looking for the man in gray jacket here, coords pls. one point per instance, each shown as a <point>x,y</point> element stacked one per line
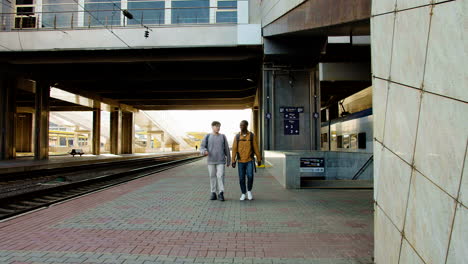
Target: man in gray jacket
<point>216,147</point>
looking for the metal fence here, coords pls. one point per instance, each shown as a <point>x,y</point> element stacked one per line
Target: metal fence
<point>94,16</point>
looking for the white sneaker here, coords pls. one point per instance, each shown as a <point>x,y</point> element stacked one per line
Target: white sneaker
<point>242,197</point>
<point>249,195</point>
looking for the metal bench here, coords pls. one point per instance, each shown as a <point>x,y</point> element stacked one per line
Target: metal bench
<point>76,152</point>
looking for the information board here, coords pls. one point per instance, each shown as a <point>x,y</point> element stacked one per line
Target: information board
<point>312,165</point>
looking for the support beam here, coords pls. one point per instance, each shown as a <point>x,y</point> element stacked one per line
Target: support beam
<point>128,132</point>
<point>96,145</point>
<point>7,117</point>
<point>41,120</point>
<point>115,131</point>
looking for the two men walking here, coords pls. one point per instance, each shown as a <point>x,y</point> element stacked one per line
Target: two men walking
<point>215,146</point>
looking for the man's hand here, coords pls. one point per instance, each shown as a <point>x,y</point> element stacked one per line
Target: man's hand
<point>206,153</point>
<point>259,163</point>
<point>233,165</point>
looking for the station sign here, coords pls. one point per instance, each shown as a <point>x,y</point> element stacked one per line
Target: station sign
<point>291,127</point>
<point>291,109</point>
<point>291,115</point>
<point>312,165</point>
<point>291,119</point>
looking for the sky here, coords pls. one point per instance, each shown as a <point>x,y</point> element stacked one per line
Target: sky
<point>200,120</point>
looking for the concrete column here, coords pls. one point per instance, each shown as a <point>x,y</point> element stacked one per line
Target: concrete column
<point>24,129</point>
<point>213,11</point>
<point>267,112</point>
<point>7,116</point>
<point>291,88</point>
<point>81,14</point>
<point>75,138</point>
<point>167,12</point>
<point>163,144</point>
<point>148,142</point>
<point>128,132</point>
<point>96,133</point>
<point>242,12</point>
<point>41,121</point>
<point>115,131</point>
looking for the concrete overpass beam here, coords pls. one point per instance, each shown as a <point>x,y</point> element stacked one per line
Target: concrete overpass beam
<point>7,116</point>
<point>41,120</point>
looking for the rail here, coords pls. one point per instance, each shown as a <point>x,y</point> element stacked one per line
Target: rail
<point>25,202</point>
<point>115,15</point>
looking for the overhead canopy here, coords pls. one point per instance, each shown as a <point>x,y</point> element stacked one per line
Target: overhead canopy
<point>156,79</point>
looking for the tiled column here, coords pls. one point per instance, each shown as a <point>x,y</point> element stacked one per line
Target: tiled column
<point>420,106</point>
<point>7,116</point>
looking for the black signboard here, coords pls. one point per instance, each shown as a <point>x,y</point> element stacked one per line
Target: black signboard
<point>291,109</point>
<point>312,165</point>
<point>291,127</point>
<point>291,115</point>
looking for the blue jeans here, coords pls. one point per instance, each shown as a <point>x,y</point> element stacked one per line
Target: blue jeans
<point>246,168</point>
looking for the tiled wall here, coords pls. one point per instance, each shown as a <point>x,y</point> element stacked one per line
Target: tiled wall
<point>420,62</point>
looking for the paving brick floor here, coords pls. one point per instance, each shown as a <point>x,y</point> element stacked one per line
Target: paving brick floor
<point>168,218</point>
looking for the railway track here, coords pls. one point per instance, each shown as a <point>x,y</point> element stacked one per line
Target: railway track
<point>24,202</point>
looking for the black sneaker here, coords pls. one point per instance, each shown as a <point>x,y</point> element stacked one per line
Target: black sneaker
<point>213,196</point>
<point>221,196</point>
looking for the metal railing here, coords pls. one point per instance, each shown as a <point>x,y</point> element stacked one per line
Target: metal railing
<point>99,18</point>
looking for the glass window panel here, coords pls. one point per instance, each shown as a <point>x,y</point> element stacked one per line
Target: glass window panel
<point>196,11</point>
<point>24,2</point>
<point>99,14</point>
<point>151,12</point>
<point>63,141</point>
<point>61,15</point>
<point>226,17</point>
<point>227,4</point>
<point>339,141</point>
<point>362,140</point>
<point>25,11</point>
<point>57,2</point>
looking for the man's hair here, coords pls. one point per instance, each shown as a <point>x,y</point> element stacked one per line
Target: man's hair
<point>215,123</point>
<point>245,122</point>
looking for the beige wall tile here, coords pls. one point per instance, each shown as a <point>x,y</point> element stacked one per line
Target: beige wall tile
<point>380,6</point>
<point>408,256</point>
<point>458,252</point>
<point>409,46</point>
<point>393,186</point>
<point>429,219</point>
<point>378,149</point>
<point>447,52</point>
<point>463,198</point>
<point>401,120</point>
<point>379,105</point>
<point>441,141</point>
<point>381,48</point>
<point>404,4</point>
<point>386,253</point>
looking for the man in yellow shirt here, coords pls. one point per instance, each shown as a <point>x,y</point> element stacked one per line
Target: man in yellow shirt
<point>243,150</point>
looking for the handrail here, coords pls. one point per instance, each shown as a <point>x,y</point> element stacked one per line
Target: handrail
<point>97,18</point>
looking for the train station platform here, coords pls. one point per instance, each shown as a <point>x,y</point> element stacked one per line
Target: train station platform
<point>168,218</point>
<point>61,161</point>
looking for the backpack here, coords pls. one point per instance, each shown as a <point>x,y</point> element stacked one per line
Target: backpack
<point>251,146</point>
